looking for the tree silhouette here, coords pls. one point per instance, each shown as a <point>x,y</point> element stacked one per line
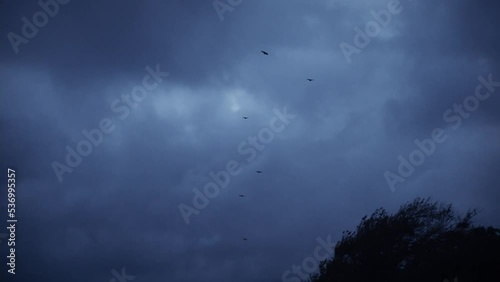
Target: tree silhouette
<point>423,241</point>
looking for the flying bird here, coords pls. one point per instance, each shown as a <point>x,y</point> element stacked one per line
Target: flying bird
<point>259,171</point>
<point>244,239</point>
<point>245,117</point>
<point>310,79</point>
<point>242,195</point>
<point>264,52</point>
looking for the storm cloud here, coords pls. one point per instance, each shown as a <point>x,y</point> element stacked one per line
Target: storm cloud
<point>119,207</point>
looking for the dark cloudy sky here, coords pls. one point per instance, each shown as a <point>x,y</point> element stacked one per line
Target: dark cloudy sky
<point>322,173</point>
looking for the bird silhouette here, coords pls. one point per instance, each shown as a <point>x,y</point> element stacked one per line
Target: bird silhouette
<point>242,195</point>
<point>265,53</point>
<point>245,117</point>
<point>310,79</point>
<point>258,171</point>
<point>244,239</point>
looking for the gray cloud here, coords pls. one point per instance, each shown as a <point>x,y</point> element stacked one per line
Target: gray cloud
<point>321,175</point>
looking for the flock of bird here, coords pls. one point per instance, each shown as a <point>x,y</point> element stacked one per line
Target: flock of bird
<point>245,117</point>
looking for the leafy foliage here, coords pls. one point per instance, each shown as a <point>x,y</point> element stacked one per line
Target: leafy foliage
<point>423,241</point>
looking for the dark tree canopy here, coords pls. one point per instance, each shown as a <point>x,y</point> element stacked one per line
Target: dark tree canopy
<point>424,241</point>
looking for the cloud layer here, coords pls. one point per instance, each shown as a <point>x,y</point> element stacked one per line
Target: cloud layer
<point>119,207</point>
